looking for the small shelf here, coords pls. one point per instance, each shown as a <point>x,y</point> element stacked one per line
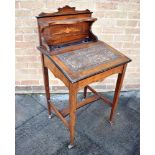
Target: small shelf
<point>68,21</point>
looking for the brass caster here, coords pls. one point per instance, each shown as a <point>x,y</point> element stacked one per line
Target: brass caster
<point>110,123</point>
<point>49,116</point>
<point>84,98</point>
<point>70,146</point>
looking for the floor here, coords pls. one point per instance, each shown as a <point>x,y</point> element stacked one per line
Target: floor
<point>36,134</point>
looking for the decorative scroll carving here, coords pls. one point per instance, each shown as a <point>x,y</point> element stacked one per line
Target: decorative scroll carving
<point>87,58</point>
<point>64,11</point>
<point>44,44</point>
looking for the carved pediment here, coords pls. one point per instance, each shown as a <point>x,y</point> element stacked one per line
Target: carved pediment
<point>64,11</point>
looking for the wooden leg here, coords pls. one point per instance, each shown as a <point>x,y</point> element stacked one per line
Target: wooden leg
<point>72,109</point>
<point>85,92</point>
<point>46,84</point>
<point>117,92</point>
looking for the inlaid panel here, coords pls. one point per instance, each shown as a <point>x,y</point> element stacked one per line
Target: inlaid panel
<point>87,58</point>
<point>65,33</point>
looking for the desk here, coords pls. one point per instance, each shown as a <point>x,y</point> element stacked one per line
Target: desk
<point>71,51</point>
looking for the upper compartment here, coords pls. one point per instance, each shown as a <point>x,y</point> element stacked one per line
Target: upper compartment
<point>65,26</point>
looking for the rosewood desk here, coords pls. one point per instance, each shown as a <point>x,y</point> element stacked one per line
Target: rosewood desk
<point>71,51</point>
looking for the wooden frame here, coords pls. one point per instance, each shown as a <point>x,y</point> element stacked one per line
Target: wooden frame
<point>60,71</point>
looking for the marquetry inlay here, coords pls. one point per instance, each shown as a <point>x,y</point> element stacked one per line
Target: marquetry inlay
<point>87,58</point>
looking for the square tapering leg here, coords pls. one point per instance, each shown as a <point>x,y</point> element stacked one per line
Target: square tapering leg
<point>85,92</point>
<point>72,111</point>
<point>117,92</point>
<point>46,85</point>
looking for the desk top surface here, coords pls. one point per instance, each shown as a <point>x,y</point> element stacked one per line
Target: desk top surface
<point>87,59</point>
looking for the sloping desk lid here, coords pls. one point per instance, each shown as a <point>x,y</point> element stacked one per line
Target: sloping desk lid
<point>87,59</point>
